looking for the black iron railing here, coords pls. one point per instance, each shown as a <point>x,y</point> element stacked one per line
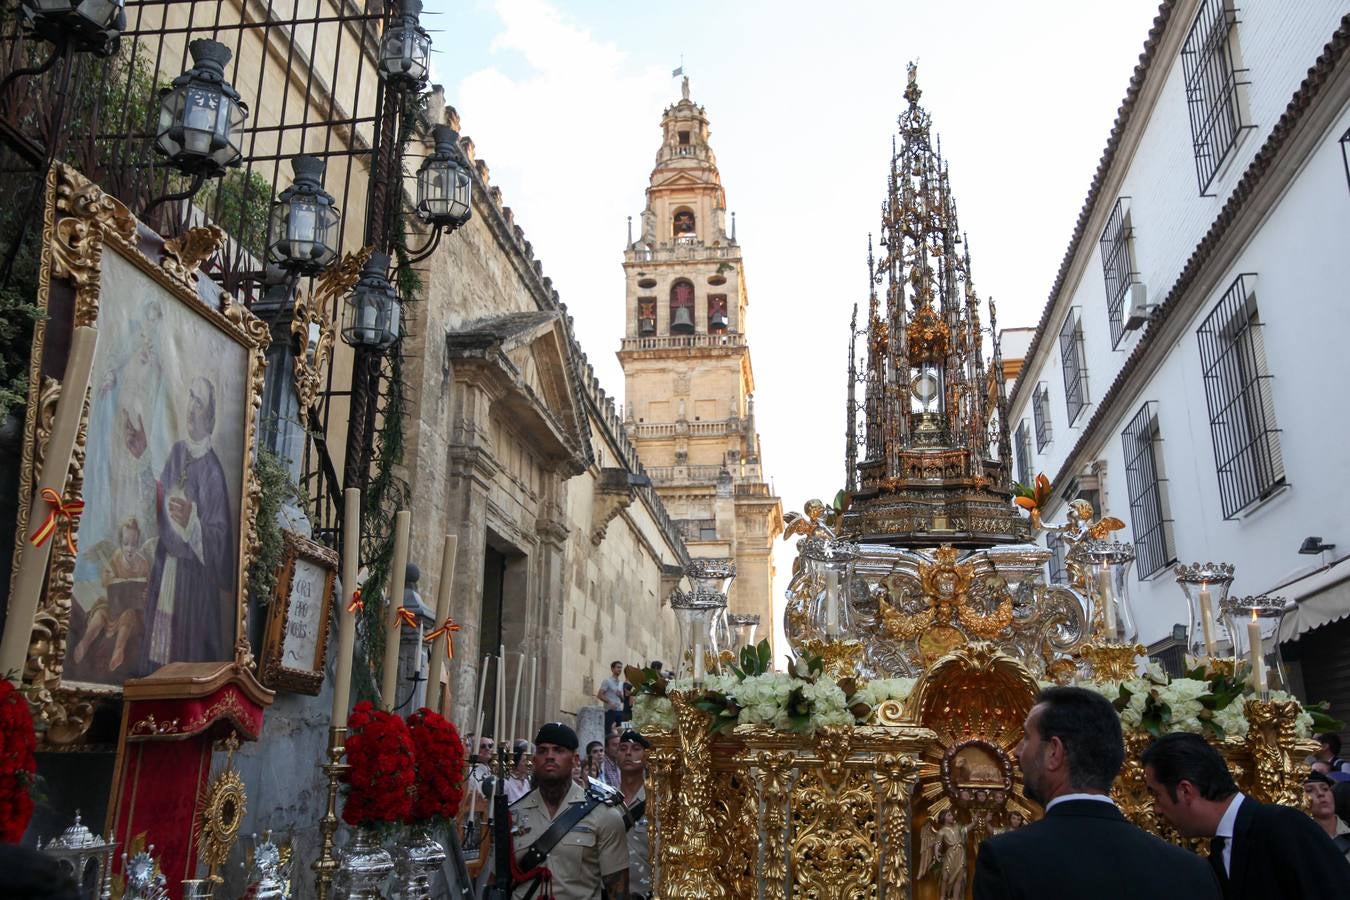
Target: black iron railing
<point>1148,507</point>
<point>1212,83</point>
<point>1118,265</point>
<point>1074,363</point>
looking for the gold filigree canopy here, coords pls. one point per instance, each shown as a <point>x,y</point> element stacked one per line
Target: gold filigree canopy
<point>929,473</point>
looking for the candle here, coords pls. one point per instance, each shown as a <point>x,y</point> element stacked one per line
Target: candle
<point>698,663</point>
<point>438,653</point>
<point>1256,651</point>
<point>473,757</point>
<point>529,710</point>
<point>393,626</point>
<point>1108,608</point>
<point>515,706</point>
<point>476,718</point>
<point>351,562</point>
<point>831,603</point>
<point>500,719</point>
<point>1206,620</point>
<point>32,570</point>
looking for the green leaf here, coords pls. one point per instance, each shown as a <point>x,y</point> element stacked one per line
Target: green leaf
<point>765,652</point>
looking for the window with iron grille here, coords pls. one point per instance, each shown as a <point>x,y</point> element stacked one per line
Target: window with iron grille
<point>1054,542</point>
<point>1040,410</point>
<point>1074,363</point>
<point>1117,245</point>
<point>1208,60</point>
<point>1247,452</point>
<point>1149,518</point>
<point>1023,453</point>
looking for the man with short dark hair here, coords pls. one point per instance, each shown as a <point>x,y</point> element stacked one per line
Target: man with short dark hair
<point>588,854</point>
<point>1258,850</point>
<point>633,749</point>
<point>1329,752</point>
<point>1070,754</point>
<point>611,695</point>
<point>609,763</point>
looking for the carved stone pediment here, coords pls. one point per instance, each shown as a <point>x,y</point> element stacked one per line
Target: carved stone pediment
<point>527,360</point>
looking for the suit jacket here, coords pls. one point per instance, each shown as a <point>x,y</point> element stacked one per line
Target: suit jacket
<point>1278,851</point>
<point>1087,849</point>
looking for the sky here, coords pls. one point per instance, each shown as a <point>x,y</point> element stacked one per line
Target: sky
<point>563,101</point>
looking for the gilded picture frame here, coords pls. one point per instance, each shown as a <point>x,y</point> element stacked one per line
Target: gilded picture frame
<point>292,654</point>
<point>87,235</point>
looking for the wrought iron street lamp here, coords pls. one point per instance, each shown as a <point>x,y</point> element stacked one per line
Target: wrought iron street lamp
<point>405,51</point>
<point>93,25</point>
<point>373,308</point>
<point>201,115</point>
<point>444,187</point>
<point>302,235</point>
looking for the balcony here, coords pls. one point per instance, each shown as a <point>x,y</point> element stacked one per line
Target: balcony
<point>684,341</point>
<point>716,428</point>
<point>680,253</point>
<point>685,474</point>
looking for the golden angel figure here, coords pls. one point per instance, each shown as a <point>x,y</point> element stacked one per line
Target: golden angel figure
<point>942,847</point>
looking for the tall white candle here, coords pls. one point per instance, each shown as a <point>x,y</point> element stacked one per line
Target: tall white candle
<point>515,707</point>
<point>1206,620</point>
<point>1108,608</point>
<point>500,720</point>
<point>32,569</point>
<point>698,663</point>
<point>393,625</point>
<point>1256,650</point>
<point>529,709</point>
<point>437,651</point>
<point>346,646</point>
<point>478,704</point>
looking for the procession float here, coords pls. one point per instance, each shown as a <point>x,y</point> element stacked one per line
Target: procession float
<point>922,625</point>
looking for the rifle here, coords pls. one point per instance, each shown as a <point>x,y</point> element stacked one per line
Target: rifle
<point>502,884</point>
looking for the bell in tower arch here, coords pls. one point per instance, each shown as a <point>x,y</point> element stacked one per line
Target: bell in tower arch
<point>682,308</point>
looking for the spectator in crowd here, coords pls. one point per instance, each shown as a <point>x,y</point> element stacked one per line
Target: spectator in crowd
<point>1318,792</point>
<point>611,695</point>
<point>591,766</point>
<point>627,704</point>
<point>1259,851</point>
<point>1329,752</point>
<point>609,762</point>
<point>518,780</point>
<point>480,768</point>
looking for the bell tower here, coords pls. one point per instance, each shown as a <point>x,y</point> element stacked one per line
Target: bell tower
<point>688,381</point>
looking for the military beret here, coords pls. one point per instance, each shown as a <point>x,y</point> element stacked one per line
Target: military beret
<point>632,737</point>
<point>558,734</point>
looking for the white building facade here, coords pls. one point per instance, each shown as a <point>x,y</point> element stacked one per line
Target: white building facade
<point>1189,372</point>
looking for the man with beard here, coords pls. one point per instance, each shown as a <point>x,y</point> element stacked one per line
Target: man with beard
<point>581,840</point>
<point>1071,752</point>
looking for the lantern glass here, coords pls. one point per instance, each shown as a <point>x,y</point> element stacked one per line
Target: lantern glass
<point>372,314</point>
<point>1257,617</point>
<point>743,628</point>
<point>697,613</point>
<point>405,53</point>
<point>199,128</point>
<point>1108,566</point>
<point>443,192</point>
<point>303,234</point>
<point>1206,588</point>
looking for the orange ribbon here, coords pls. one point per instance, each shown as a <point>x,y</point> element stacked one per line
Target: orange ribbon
<point>357,604</point>
<point>408,616</point>
<point>448,628</point>
<point>60,512</point>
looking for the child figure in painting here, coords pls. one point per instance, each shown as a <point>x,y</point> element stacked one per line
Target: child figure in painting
<point>118,615</point>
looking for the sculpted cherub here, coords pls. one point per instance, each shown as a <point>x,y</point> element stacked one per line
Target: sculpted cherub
<point>808,525</point>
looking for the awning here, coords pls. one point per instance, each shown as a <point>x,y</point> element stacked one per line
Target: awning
<point>1331,604</point>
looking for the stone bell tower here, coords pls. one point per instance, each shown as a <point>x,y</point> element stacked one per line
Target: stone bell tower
<point>686,358</point>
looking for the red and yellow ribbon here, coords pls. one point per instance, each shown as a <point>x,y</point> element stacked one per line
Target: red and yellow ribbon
<point>408,616</point>
<point>448,628</point>
<point>357,604</point>
<point>60,512</point>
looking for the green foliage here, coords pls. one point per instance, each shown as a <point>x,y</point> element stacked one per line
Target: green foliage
<point>1322,720</point>
<point>646,681</point>
<point>754,660</point>
<point>277,489</point>
<point>243,202</point>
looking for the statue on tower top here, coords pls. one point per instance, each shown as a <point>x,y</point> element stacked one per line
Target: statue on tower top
<point>684,88</point>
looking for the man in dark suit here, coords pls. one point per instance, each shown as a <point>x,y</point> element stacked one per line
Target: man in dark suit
<point>1070,754</point>
<point>1258,850</point>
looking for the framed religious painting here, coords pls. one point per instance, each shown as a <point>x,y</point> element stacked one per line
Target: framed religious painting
<point>297,619</point>
<point>163,459</point>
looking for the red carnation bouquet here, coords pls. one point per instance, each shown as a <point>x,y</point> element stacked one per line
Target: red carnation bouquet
<point>440,767</point>
<point>18,765</point>
<point>381,770</point>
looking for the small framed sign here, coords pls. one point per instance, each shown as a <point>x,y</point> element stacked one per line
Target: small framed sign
<point>297,624</point>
